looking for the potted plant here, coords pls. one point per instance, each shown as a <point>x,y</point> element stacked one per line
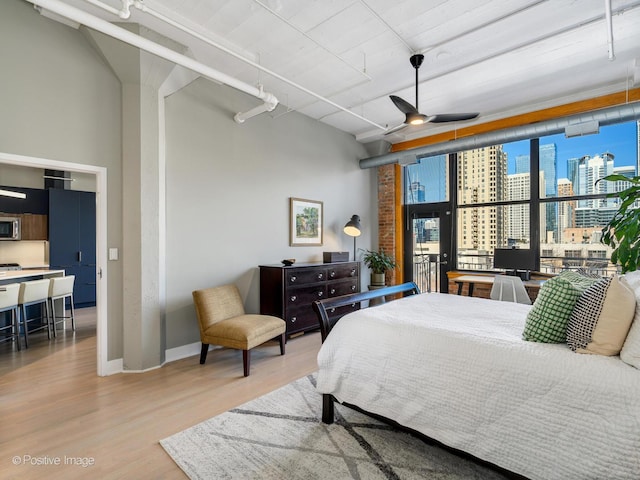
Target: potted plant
<point>378,263</point>
<point>621,233</point>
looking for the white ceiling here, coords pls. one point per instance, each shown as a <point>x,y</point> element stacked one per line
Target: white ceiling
<point>496,57</point>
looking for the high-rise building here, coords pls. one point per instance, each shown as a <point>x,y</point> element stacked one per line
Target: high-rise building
<point>548,164</point>
<point>594,212</point>
<point>482,177</point>
<point>523,164</point>
<point>566,209</point>
<point>518,188</point>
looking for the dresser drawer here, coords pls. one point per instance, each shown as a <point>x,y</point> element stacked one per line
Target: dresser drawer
<point>288,292</point>
<point>345,287</point>
<point>301,318</point>
<point>305,276</point>
<point>304,295</point>
<point>337,272</point>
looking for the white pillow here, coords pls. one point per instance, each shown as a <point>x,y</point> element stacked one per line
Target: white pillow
<point>630,352</point>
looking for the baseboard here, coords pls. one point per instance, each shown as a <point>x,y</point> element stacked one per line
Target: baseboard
<point>113,366</point>
<point>170,355</point>
<point>183,351</point>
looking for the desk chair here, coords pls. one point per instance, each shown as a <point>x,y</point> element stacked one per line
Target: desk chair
<point>222,321</point>
<point>33,293</point>
<point>61,288</point>
<point>9,303</point>
<point>509,289</point>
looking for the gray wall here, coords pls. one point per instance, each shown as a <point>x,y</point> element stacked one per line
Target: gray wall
<point>228,189</point>
<point>59,100</point>
<point>227,185</point>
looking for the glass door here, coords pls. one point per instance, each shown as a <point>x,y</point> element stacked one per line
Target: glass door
<point>427,246</point>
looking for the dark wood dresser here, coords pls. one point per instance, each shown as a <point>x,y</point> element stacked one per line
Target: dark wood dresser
<point>288,292</point>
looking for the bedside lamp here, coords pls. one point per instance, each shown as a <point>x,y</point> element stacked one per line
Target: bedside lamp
<point>352,228</point>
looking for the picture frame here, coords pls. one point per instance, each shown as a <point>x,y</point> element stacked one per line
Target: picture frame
<point>305,222</point>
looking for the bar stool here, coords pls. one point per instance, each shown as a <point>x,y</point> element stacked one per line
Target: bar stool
<point>33,293</point>
<point>9,303</point>
<point>61,288</point>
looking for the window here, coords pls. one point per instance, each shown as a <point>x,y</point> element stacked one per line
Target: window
<point>426,181</point>
<point>495,195</point>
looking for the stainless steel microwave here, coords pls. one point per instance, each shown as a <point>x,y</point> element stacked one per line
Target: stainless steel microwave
<point>10,228</point>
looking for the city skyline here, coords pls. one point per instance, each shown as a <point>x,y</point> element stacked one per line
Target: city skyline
<point>620,139</point>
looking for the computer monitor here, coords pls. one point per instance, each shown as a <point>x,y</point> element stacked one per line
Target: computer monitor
<point>514,259</point>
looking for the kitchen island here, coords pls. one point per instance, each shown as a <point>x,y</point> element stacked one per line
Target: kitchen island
<point>17,276</point>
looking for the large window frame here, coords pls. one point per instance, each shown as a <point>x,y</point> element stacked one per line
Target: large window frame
<point>536,202</point>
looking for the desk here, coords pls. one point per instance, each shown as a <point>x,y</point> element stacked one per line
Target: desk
<point>488,280</point>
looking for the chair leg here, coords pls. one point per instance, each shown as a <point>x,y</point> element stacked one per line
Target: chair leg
<point>53,314</point>
<point>282,343</point>
<point>246,361</point>
<point>203,353</point>
<point>23,315</point>
<point>16,326</point>
<point>73,313</point>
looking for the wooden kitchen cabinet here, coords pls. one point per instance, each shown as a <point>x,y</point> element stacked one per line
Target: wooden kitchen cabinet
<point>288,292</point>
<point>34,226</point>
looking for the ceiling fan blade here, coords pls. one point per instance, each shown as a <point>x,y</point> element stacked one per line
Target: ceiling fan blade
<point>452,117</point>
<point>404,106</point>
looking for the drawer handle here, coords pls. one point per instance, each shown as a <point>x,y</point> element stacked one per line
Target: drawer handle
<point>320,294</point>
<point>332,274</point>
<point>292,279</point>
<point>353,288</point>
<point>353,272</point>
<point>333,290</point>
<point>353,305</point>
<point>320,276</point>
<point>293,319</point>
<point>333,310</point>
<point>293,298</point>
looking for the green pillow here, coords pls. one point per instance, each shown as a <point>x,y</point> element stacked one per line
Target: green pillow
<point>548,318</point>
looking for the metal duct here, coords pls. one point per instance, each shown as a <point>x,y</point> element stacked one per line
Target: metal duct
<point>605,116</point>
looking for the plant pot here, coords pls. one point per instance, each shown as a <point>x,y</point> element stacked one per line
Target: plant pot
<point>377,279</point>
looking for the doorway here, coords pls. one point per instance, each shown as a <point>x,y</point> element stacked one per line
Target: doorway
<point>427,246</point>
<point>101,239</point>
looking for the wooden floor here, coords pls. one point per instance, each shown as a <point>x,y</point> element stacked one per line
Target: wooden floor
<point>53,406</point>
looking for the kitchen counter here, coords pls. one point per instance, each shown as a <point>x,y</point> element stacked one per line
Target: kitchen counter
<point>18,276</point>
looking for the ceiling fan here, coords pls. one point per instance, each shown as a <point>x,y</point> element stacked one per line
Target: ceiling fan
<point>413,116</point>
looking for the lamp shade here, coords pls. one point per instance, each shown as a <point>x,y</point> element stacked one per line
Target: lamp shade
<point>352,228</point>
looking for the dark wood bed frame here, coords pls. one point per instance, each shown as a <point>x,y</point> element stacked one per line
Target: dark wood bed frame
<point>329,312</point>
<point>328,315</point>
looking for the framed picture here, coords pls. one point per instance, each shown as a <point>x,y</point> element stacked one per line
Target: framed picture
<point>305,222</point>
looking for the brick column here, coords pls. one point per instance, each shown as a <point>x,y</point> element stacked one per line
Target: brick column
<point>389,214</point>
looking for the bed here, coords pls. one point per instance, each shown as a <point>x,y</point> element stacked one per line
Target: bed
<point>456,369</point>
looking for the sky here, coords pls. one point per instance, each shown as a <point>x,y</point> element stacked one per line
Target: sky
<point>620,139</point>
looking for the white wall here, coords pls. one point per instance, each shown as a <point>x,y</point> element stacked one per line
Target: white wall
<point>228,189</point>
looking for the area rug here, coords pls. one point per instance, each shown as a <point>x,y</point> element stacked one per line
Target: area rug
<point>280,436</point>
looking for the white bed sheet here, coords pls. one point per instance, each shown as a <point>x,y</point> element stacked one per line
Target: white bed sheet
<point>456,369</point>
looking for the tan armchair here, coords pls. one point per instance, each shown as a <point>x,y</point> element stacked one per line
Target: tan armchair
<point>223,322</point>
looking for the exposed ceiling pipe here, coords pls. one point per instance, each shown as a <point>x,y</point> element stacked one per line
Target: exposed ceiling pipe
<point>124,12</point>
<point>605,116</point>
<point>262,108</point>
<point>112,30</point>
<point>607,13</point>
<point>144,8</point>
<point>267,106</point>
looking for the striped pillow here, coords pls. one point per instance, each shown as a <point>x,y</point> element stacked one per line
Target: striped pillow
<point>548,318</point>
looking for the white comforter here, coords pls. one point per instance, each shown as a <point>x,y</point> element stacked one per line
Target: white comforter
<point>456,369</point>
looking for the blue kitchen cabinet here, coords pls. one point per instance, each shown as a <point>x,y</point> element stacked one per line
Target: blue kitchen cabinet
<point>72,240</point>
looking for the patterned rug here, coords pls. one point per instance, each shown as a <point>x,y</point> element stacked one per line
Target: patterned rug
<point>280,436</point>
